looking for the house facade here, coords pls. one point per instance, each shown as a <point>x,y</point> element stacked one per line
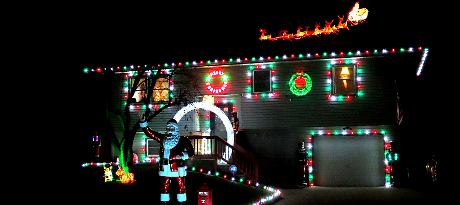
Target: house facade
<point>338,109</point>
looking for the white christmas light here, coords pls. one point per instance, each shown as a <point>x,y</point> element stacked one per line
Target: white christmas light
<point>422,62</point>
<point>212,108</point>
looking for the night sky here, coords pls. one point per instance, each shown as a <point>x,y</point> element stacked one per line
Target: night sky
<point>129,34</point>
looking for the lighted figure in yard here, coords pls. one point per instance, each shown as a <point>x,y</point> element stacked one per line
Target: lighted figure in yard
<point>108,177</point>
<point>174,151</point>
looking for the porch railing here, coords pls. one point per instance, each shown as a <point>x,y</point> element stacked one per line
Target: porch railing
<point>221,152</point>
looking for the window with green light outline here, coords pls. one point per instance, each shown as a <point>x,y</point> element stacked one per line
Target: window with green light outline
<point>344,80</point>
<point>261,81</point>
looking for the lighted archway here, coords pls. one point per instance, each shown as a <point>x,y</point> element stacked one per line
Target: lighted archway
<point>211,108</point>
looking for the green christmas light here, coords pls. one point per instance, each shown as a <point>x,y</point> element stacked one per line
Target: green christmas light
<point>248,88</point>
<point>85,70</point>
<point>225,78</point>
<point>300,78</point>
<point>387,178</point>
<point>208,78</point>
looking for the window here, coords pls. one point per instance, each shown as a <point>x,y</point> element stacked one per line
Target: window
<point>161,90</point>
<point>344,80</point>
<point>152,147</point>
<point>261,81</point>
<point>141,90</point>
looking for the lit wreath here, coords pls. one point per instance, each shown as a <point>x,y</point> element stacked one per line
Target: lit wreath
<point>300,84</point>
<point>210,77</point>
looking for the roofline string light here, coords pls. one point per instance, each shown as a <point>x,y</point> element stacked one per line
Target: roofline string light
<point>422,62</point>
<point>231,61</point>
<point>388,157</point>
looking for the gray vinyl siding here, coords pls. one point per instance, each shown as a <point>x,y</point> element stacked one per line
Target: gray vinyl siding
<point>376,107</point>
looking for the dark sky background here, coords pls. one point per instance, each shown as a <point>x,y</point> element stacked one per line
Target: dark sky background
<point>121,34</point>
<point>126,34</point>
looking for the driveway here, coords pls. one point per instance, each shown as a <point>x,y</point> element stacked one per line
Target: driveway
<point>354,195</point>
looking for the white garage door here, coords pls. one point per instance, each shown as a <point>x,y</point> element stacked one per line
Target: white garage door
<point>349,160</point>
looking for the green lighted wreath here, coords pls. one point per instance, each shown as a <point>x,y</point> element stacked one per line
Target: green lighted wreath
<point>300,84</point>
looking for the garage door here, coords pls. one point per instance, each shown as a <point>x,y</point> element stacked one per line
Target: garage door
<point>349,160</point>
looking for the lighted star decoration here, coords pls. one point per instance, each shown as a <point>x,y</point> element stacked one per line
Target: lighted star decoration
<point>355,17</point>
